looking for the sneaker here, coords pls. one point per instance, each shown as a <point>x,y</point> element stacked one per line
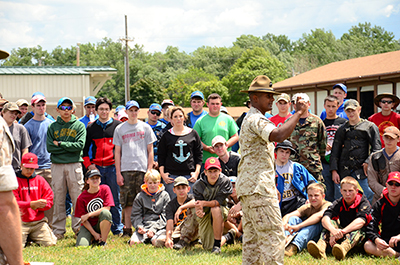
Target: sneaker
<point>180,245</point>
<point>230,237</point>
<point>216,250</point>
<point>59,236</point>
<point>127,232</point>
<point>102,244</point>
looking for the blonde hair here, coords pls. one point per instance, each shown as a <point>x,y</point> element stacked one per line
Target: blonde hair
<point>316,186</point>
<point>153,175</point>
<point>349,180</point>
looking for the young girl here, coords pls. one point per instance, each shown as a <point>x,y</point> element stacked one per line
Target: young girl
<point>93,207</point>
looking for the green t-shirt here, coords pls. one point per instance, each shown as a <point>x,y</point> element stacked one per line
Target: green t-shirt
<point>208,127</point>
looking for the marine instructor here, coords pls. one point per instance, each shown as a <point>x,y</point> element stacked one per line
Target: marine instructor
<point>264,240</point>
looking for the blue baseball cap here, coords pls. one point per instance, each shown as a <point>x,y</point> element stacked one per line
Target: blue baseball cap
<point>131,104</point>
<point>197,94</point>
<point>119,108</point>
<point>64,99</point>
<point>341,86</point>
<point>38,94</point>
<point>155,106</point>
<point>90,100</point>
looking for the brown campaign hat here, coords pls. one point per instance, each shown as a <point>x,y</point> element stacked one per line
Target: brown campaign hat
<point>261,84</point>
<point>3,54</point>
<point>395,99</point>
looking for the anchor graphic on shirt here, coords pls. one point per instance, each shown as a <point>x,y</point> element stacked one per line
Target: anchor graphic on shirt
<point>181,158</point>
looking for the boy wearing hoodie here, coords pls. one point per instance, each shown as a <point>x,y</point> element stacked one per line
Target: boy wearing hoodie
<point>65,142</point>
<point>383,231</point>
<point>148,215</point>
<point>343,222</point>
<point>34,196</point>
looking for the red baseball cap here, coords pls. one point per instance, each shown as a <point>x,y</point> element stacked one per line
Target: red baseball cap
<point>394,176</point>
<point>212,162</point>
<point>30,160</point>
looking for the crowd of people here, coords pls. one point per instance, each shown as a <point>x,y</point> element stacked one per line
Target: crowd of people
<point>298,181</point>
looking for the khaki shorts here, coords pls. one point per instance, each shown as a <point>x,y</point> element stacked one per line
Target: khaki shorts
<point>133,181</point>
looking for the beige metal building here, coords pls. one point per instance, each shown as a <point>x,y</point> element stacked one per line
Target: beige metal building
<point>364,77</point>
<point>75,82</point>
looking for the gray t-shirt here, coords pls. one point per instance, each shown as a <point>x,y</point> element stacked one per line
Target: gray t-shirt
<point>21,141</point>
<point>133,140</point>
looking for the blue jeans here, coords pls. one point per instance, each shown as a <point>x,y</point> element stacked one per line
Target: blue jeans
<point>109,177</point>
<point>169,187</point>
<point>305,234</point>
<point>332,189</point>
<point>366,189</point>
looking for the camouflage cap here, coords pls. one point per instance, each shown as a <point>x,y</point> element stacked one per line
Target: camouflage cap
<point>391,131</point>
<point>351,104</point>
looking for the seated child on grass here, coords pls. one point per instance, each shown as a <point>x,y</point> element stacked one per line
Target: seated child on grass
<point>34,196</point>
<point>93,207</point>
<point>383,231</point>
<point>148,210</point>
<point>304,224</point>
<point>343,222</point>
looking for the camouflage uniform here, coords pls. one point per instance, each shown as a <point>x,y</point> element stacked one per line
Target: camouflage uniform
<point>263,240</point>
<point>309,140</point>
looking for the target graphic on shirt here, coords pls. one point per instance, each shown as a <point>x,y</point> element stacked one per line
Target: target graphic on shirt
<point>94,205</point>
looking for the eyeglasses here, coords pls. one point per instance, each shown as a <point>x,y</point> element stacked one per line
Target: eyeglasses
<point>154,112</point>
<point>65,107</point>
<point>386,101</point>
<point>105,110</point>
<point>391,183</point>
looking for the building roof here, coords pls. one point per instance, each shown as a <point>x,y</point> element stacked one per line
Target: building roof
<point>383,67</point>
<point>54,70</point>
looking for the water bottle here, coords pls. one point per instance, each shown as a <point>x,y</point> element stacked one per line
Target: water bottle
<point>91,117</point>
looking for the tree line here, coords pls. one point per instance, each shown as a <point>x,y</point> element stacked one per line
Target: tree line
<point>175,74</point>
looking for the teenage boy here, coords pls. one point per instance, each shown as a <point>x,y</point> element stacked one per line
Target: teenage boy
<point>34,197</point>
<point>332,122</point>
<point>339,91</point>
<point>387,102</point>
<point>65,142</point>
<point>213,124</point>
<point>304,224</point>
<point>293,178</point>
<point>384,161</point>
<point>353,143</point>
<point>99,140</point>
<point>229,160</point>
<point>210,192</point>
<point>23,107</point>
<point>383,231</point>
<point>22,141</point>
<point>134,157</point>
<point>343,222</point>
<point>37,128</point>
<point>157,126</point>
<point>90,111</point>
<point>283,105</point>
<point>29,115</point>
<point>176,212</point>
<point>164,107</point>
<point>309,140</point>
<point>197,104</point>
<point>148,210</point>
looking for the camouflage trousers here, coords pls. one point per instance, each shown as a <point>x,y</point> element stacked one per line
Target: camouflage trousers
<point>263,237</point>
<point>356,237</point>
<point>194,226</point>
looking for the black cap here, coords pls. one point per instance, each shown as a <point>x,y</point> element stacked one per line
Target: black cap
<point>92,173</point>
<point>286,145</point>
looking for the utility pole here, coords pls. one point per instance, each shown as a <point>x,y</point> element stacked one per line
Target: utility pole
<point>78,54</point>
<point>126,39</point>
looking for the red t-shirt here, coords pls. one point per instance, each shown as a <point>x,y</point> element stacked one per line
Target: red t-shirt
<point>278,120</point>
<point>385,121</point>
<point>90,202</point>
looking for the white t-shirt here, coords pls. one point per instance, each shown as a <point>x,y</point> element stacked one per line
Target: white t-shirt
<point>133,140</point>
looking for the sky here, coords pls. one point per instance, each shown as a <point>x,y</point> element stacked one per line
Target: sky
<point>186,24</point>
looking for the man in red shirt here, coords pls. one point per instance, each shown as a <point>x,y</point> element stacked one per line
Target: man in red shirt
<point>283,104</point>
<point>386,118</point>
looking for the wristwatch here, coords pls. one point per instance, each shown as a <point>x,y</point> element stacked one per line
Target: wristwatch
<point>58,143</point>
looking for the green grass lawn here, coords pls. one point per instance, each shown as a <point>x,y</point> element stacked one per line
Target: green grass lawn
<point>118,252</point>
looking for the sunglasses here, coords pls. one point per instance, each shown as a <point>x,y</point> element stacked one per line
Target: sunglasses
<point>154,112</point>
<point>394,183</point>
<point>65,107</point>
<point>386,101</point>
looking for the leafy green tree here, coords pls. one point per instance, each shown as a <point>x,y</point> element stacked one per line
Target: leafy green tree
<point>27,57</point>
<point>252,63</point>
<point>147,91</point>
